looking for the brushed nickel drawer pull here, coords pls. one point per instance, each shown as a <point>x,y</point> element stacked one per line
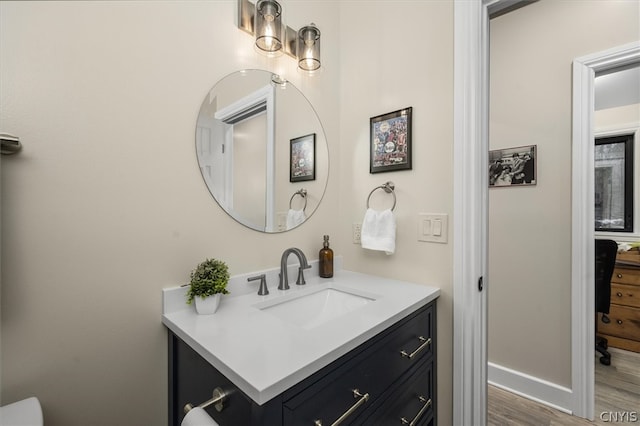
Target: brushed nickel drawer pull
<point>619,294</point>
<point>427,404</point>
<point>619,322</point>
<point>426,342</point>
<point>356,394</point>
<point>619,275</point>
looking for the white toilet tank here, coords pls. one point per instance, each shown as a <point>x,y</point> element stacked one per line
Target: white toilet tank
<point>27,412</point>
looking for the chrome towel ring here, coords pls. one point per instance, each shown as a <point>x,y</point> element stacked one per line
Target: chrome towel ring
<point>389,188</point>
<point>303,194</point>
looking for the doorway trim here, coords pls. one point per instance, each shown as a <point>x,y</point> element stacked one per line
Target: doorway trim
<point>470,207</point>
<point>583,234</point>
<point>471,204</point>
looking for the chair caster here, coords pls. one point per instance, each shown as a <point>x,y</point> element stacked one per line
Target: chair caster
<point>605,361</point>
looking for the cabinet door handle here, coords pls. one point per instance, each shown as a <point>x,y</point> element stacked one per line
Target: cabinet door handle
<point>619,322</point>
<point>426,342</point>
<point>427,404</point>
<point>619,275</point>
<point>619,294</point>
<point>356,394</point>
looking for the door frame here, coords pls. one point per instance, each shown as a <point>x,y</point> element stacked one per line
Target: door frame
<point>471,108</point>
<point>585,69</point>
<point>471,146</point>
<point>470,207</point>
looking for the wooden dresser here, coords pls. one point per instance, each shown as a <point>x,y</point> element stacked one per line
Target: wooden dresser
<point>624,329</point>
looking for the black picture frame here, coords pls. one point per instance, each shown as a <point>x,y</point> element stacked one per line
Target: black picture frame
<point>390,141</point>
<point>513,166</point>
<point>302,158</point>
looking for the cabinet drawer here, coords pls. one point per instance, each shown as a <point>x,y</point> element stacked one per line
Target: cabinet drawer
<point>625,322</point>
<point>411,401</point>
<point>371,372</point>
<point>626,276</point>
<point>623,294</point>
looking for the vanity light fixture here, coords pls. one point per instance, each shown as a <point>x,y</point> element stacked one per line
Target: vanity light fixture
<point>268,26</point>
<point>308,49</point>
<point>264,21</point>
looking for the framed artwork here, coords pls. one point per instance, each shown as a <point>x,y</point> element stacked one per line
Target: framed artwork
<point>390,144</point>
<point>513,166</point>
<point>302,162</point>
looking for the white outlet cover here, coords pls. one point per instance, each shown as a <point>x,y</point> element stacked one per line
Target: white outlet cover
<point>356,232</point>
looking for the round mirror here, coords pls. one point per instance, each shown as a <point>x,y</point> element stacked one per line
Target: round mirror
<point>262,151</point>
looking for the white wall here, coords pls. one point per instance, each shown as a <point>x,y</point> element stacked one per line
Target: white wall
<point>396,54</point>
<point>105,205</point>
<point>615,120</point>
<point>530,227</point>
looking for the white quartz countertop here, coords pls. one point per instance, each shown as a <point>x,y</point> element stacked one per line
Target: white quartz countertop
<point>264,355</point>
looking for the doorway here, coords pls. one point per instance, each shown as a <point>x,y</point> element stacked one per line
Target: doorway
<point>470,207</point>
<point>560,348</point>
<point>553,330</point>
<point>583,331</point>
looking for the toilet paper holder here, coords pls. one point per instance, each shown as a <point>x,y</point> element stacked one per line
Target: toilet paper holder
<point>218,400</point>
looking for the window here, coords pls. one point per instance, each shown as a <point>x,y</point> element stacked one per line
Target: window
<point>614,184</point>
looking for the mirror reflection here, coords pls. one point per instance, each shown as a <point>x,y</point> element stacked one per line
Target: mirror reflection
<point>262,151</point>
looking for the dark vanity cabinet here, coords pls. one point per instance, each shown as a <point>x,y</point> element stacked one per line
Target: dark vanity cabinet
<point>390,379</point>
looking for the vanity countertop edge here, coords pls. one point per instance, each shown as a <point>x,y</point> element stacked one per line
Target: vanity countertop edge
<point>264,355</point>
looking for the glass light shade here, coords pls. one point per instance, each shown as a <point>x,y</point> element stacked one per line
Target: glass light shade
<point>268,26</point>
<point>308,48</point>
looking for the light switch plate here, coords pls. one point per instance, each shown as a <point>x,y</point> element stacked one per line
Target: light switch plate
<point>433,227</point>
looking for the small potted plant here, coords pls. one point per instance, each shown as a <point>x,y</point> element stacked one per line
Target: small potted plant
<point>208,282</point>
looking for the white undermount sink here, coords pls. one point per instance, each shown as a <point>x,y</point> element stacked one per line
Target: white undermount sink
<point>312,308</point>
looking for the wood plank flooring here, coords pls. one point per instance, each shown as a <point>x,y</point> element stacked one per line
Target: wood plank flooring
<point>617,389</point>
<point>618,385</point>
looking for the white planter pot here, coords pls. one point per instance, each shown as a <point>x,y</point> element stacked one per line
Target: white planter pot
<point>208,305</point>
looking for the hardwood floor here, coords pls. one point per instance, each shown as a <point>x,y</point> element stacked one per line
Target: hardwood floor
<point>617,390</point>
<point>618,385</point>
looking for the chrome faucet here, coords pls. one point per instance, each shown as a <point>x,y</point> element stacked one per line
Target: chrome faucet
<point>284,279</point>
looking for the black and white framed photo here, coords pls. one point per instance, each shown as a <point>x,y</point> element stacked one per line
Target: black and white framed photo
<point>513,166</point>
<point>302,163</point>
<point>390,143</point>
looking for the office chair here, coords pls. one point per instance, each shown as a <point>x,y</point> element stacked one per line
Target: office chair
<point>605,257</point>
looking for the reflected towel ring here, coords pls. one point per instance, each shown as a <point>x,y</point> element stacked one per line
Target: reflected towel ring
<point>389,188</point>
<point>303,194</point>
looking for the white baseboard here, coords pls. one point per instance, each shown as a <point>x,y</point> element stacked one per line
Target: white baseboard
<point>530,387</point>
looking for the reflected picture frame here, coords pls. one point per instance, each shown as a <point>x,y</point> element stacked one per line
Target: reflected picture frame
<point>390,141</point>
<point>302,158</point>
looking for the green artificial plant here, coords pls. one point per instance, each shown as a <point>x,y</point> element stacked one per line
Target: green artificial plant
<point>209,278</point>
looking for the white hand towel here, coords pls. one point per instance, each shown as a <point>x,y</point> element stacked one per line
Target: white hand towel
<point>198,417</point>
<point>295,218</point>
<point>379,231</point>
